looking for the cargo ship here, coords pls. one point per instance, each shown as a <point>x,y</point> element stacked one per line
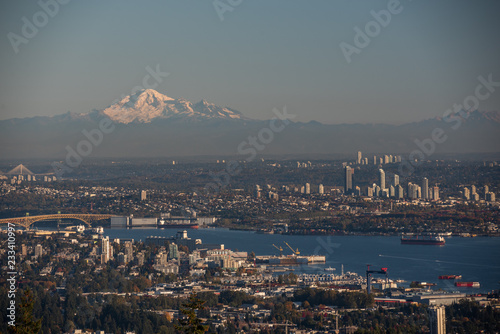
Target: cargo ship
<point>423,239</point>
<point>467,284</point>
<point>450,277</point>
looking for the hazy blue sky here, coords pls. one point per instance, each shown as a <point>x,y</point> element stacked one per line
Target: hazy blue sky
<point>264,54</point>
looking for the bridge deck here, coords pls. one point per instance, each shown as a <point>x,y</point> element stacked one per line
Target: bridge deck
<point>27,221</point>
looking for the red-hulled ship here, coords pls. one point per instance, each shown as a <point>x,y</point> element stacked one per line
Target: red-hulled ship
<point>467,284</point>
<point>450,277</point>
<point>422,239</point>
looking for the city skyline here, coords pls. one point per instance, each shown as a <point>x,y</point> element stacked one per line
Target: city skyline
<point>241,166</point>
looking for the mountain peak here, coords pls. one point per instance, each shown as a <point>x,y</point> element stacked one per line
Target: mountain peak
<point>147,105</point>
<point>474,115</point>
<point>151,93</point>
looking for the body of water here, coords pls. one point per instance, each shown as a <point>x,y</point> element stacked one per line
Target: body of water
<point>476,259</point>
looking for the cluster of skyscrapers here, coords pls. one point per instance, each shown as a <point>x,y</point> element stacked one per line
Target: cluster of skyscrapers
<point>385,159</point>
<point>388,186</point>
<point>272,194</point>
<point>390,189</point>
<point>470,193</point>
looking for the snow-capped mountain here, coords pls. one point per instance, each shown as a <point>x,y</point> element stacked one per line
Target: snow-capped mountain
<point>148,105</point>
<point>150,124</point>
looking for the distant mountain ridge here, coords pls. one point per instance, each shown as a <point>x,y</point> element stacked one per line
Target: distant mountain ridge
<point>151,124</point>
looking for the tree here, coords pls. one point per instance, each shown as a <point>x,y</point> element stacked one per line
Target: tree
<point>192,324</point>
<point>27,323</point>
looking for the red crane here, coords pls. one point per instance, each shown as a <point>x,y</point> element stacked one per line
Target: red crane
<point>382,271</point>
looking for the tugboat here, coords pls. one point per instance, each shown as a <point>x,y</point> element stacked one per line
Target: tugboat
<point>450,277</point>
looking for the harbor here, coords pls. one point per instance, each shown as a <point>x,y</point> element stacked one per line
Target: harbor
<point>475,259</point>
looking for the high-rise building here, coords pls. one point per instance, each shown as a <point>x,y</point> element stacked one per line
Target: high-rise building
<point>414,191</point>
<point>106,250</point>
<point>359,158</point>
<point>140,258</point>
<point>369,191</point>
<point>144,195</point>
<point>375,160</point>
<point>173,252</point>
<point>386,159</point>
<point>161,259</point>
<point>437,320</point>
<point>490,197</point>
<point>382,178</point>
<point>435,193</point>
<point>272,195</point>
<point>257,191</point>
<point>395,181</point>
<point>308,188</point>
<point>425,188</point>
<point>321,189</point>
<point>392,191</point>
<point>486,190</point>
<point>357,191</point>
<point>473,189</point>
<point>24,250</point>
<point>129,250</point>
<point>348,180</point>
<point>122,258</point>
<point>38,251</point>
<point>466,193</point>
<point>399,191</point>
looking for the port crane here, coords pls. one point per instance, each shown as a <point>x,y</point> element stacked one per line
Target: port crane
<point>280,249</point>
<point>295,252</point>
<point>382,271</point>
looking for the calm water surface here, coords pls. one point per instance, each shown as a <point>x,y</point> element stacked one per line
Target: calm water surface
<point>476,259</point>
